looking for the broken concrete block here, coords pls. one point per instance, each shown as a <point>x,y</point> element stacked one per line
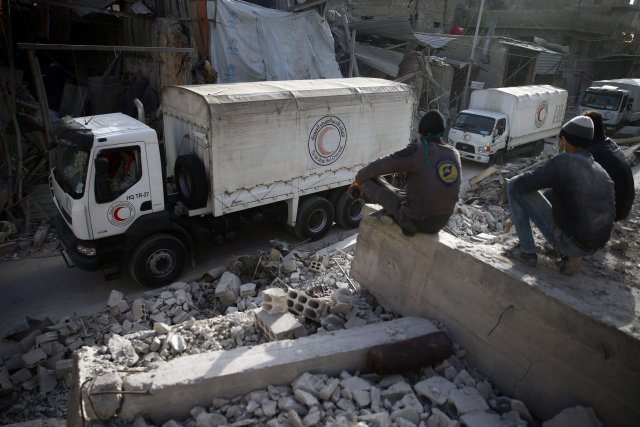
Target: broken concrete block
<point>228,289</point>
<point>274,301</point>
<point>41,235</point>
<point>294,419</point>
<point>46,380</point>
<point>177,343</point>
<point>5,381</point>
<point>466,400</point>
<point>123,306</point>
<point>289,265</point>
<point>326,391</point>
<point>481,419</point>
<point>14,362</point>
<point>122,351</point>
<point>231,309</point>
<point>179,317</point>
<point>160,318</point>
<point>355,383</point>
<point>105,405</point>
<point>63,367</point>
<point>76,344</point>
<point>34,358</point>
<point>362,398</point>
<point>295,277</point>
<point>436,389</point>
<point>210,420</point>
<point>379,419</point>
<point>138,310</point>
<point>114,298</point>
<point>279,326</point>
<point>46,337</point>
<point>161,328</point>
<point>305,398</point>
<point>216,272</point>
<point>51,362</point>
<point>52,347</point>
<point>31,384</point>
<point>248,290</point>
<point>440,419</point>
<point>521,409</point>
<point>332,322</point>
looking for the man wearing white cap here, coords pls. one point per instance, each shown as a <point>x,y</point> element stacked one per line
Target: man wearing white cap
<point>575,212</point>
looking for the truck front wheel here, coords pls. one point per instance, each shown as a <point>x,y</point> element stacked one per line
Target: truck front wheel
<point>315,217</point>
<point>158,260</point>
<point>348,211</point>
<point>497,158</point>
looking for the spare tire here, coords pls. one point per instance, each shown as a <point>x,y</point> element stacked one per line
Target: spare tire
<point>191,181</point>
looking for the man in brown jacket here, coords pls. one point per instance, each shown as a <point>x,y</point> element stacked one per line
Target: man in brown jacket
<point>433,180</point>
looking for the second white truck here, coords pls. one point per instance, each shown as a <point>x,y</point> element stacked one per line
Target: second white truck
<point>281,150</point>
<point>508,120</point>
<point>617,100</point>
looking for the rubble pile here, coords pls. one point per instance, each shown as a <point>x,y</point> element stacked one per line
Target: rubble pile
<point>227,310</point>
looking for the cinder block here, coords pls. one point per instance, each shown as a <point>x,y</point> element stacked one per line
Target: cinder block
<point>139,310</point>
<point>274,300</point>
<point>46,337</point>
<point>248,290</point>
<point>279,326</point>
<point>302,304</point>
<point>5,381</point>
<point>34,358</point>
<point>20,376</point>
<point>46,380</point>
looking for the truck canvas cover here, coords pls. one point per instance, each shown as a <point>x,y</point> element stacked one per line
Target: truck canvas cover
<point>535,109</point>
<point>302,134</point>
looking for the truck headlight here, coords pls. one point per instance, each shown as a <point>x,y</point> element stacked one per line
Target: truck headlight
<point>85,250</point>
<point>486,149</point>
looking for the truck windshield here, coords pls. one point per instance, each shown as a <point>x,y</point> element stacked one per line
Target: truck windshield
<point>70,170</point>
<point>602,100</point>
<point>474,123</point>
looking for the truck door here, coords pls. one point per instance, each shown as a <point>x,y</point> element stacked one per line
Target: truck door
<point>499,135</point>
<point>120,190</point>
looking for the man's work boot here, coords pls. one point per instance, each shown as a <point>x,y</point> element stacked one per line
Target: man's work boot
<point>570,265</point>
<point>527,258</point>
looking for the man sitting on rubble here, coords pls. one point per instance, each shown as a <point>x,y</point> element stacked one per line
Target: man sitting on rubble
<point>575,212</point>
<point>433,180</point>
<point>610,157</point>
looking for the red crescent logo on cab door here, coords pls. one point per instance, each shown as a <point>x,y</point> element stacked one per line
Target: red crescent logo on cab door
<point>121,214</point>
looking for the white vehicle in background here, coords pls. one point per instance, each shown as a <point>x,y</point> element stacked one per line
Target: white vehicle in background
<point>508,120</point>
<point>280,150</point>
<point>617,100</point>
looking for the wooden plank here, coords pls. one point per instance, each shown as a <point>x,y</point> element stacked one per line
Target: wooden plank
<point>483,175</point>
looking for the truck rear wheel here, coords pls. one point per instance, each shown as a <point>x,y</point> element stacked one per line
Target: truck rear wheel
<point>315,217</point>
<point>348,211</point>
<point>158,260</point>
<point>191,181</point>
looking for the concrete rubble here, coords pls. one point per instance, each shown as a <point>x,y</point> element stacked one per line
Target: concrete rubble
<point>281,295</point>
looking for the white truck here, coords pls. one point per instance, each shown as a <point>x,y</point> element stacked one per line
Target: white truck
<point>282,150</point>
<point>617,100</point>
<point>508,120</point>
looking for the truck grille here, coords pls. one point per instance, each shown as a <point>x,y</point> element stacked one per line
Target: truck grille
<point>468,148</point>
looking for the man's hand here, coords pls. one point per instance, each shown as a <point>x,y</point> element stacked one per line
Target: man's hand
<point>355,190</point>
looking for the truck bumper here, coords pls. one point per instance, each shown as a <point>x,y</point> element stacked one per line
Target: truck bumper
<point>69,244</point>
<point>474,157</point>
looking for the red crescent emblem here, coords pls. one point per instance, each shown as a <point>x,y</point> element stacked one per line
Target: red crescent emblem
<point>117,212</point>
<point>320,142</point>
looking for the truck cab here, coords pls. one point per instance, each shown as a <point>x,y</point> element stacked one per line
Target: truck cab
<point>105,187</point>
<point>478,134</point>
<point>610,101</point>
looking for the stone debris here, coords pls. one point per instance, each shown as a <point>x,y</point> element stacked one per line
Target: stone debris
<point>281,295</point>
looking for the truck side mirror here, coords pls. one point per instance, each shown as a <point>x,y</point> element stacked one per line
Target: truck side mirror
<point>629,104</point>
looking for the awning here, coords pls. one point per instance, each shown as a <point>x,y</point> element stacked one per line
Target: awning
<point>435,41</point>
<point>524,45</point>
<point>391,28</point>
<point>385,60</point>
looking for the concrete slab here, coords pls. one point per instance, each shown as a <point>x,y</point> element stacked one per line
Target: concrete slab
<point>549,340</point>
<point>175,387</point>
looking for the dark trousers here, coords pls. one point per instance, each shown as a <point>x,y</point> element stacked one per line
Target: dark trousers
<point>394,201</point>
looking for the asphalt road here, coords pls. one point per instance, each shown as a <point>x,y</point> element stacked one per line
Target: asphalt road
<point>40,287</point>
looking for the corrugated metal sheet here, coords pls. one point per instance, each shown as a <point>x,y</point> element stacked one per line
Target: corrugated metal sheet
<point>391,28</point>
<point>435,41</point>
<point>387,61</point>
<point>548,63</point>
<point>525,45</point>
